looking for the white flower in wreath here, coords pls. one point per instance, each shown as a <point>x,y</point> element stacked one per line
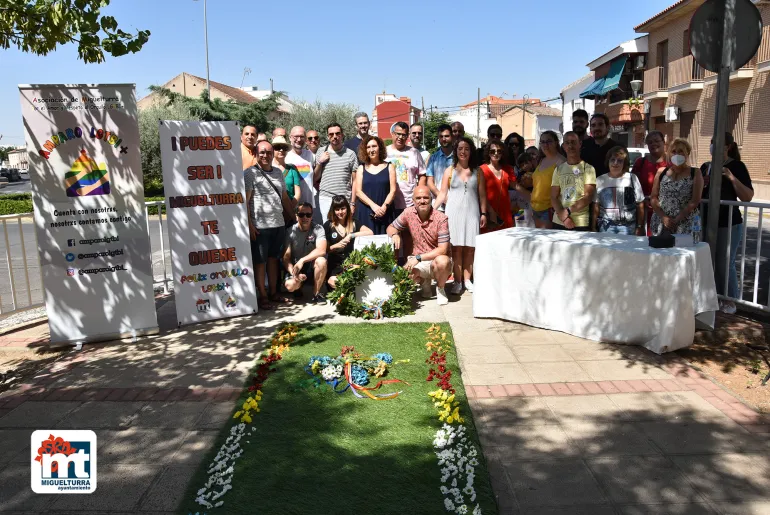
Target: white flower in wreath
<point>378,292</point>
<point>330,372</point>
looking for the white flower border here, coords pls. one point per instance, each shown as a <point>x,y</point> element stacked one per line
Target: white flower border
<point>222,468</point>
<point>457,458</point>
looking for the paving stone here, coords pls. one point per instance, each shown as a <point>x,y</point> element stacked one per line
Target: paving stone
<point>14,445</point>
<point>498,353</point>
<point>15,491</point>
<point>539,353</point>
<point>584,407</point>
<point>216,415</point>
<point>101,414</point>
<point>525,336</point>
<point>38,415</point>
<point>602,438</point>
<point>569,510</point>
<point>552,483</point>
<point>592,351</point>
<point>686,436</point>
<point>555,372</point>
<point>728,477</point>
<point>181,414</point>
<point>118,488</point>
<point>668,509</point>
<point>744,508</point>
<point>528,442</point>
<point>138,445</point>
<point>642,480</point>
<point>649,406</point>
<point>621,370</point>
<point>194,448</point>
<point>168,491</point>
<point>494,373</point>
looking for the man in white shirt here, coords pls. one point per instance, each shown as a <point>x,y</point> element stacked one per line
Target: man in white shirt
<point>304,160</point>
<point>410,167</point>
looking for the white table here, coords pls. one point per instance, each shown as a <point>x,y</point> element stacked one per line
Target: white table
<point>595,285</point>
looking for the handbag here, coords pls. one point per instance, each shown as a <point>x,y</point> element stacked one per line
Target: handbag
<point>288,216</point>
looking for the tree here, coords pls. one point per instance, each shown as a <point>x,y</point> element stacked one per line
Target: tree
<point>40,26</point>
<point>430,124</point>
<point>318,115</point>
<point>261,113</point>
<point>4,153</point>
<point>149,142</point>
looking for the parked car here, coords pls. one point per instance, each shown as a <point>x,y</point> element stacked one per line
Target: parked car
<point>12,174</point>
<point>3,182</point>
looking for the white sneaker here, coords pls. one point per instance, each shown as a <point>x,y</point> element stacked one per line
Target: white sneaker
<point>728,307</point>
<point>441,298</point>
<point>457,288</point>
<point>426,291</point>
<point>469,286</point>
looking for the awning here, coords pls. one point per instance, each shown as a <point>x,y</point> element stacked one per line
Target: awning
<point>612,79</point>
<point>593,88</point>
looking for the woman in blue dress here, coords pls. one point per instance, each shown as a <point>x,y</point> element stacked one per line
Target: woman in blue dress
<point>375,186</point>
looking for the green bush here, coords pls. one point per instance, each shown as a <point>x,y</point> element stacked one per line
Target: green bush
<point>153,210</point>
<point>15,207</point>
<point>16,196</point>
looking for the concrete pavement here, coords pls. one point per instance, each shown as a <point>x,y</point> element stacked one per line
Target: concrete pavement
<point>567,425</point>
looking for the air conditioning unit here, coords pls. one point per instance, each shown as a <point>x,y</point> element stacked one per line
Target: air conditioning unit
<point>672,114</point>
<point>639,62</point>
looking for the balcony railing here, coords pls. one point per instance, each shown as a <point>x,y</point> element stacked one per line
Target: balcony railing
<point>685,70</point>
<point>656,79</point>
<point>763,55</point>
<point>748,66</point>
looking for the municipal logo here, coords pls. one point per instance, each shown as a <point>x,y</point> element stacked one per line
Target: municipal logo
<point>63,462</point>
<point>71,243</point>
<point>71,272</point>
<point>70,257</point>
<point>203,305</point>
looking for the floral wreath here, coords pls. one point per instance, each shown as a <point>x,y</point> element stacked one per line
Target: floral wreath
<point>373,257</point>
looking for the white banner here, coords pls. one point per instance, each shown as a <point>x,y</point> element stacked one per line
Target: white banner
<point>85,168</point>
<point>207,220</point>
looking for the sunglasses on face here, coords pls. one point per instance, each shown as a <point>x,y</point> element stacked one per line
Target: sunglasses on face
<point>495,152</point>
<point>496,135</point>
<point>617,161</point>
<point>334,134</point>
<point>313,138</point>
<point>304,215</point>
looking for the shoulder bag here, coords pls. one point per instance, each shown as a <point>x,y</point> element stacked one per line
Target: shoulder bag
<point>288,216</point>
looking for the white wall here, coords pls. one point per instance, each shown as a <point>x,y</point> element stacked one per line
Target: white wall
<point>572,101</point>
<point>547,123</point>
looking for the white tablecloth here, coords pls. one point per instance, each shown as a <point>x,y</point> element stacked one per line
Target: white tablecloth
<point>594,285</point>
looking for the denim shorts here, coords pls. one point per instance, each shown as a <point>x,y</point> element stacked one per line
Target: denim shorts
<point>268,245</point>
<point>543,216</point>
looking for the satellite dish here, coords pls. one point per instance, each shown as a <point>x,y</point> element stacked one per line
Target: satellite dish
<point>706,27</point>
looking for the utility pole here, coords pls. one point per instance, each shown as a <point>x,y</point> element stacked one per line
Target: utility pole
<point>523,116</point>
<point>478,117</point>
<point>422,109</point>
<point>206,36</point>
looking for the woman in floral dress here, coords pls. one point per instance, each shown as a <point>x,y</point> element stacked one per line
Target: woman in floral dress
<point>676,193</point>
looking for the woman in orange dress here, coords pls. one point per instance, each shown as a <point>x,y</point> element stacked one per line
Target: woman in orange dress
<point>499,176</point>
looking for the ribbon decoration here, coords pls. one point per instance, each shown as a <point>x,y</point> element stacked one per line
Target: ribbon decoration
<point>334,383</point>
<point>366,391</point>
<point>375,309</point>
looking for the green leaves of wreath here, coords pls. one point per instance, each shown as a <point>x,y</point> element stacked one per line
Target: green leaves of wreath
<point>379,258</point>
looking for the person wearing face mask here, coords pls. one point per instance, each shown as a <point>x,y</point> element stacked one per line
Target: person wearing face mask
<point>376,187</point>
<point>736,185</point>
<point>647,167</point>
<point>676,193</point>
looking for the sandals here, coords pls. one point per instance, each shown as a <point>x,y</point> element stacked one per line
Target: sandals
<point>264,304</point>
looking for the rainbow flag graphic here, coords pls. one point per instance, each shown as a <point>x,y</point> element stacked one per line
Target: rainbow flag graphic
<point>87,178</point>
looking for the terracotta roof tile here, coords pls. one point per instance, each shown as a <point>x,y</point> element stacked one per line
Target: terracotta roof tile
<point>236,94</point>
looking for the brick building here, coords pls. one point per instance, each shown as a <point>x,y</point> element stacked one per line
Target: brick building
<point>681,96</point>
<point>389,109</point>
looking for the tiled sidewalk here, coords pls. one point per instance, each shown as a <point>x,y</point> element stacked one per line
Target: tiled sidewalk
<point>571,426</point>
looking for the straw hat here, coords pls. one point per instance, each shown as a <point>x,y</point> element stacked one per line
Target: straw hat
<point>280,141</point>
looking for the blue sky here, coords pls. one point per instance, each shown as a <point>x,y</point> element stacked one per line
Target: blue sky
<point>347,51</point>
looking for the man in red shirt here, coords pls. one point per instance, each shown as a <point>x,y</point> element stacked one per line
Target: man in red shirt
<point>429,230</point>
<point>645,168</point>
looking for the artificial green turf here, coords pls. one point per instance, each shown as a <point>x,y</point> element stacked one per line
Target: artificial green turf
<point>318,452</point>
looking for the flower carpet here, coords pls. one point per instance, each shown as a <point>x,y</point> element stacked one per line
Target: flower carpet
<point>349,419</point>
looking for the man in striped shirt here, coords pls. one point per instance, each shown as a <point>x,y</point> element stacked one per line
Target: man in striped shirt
<point>336,166</point>
<point>429,229</point>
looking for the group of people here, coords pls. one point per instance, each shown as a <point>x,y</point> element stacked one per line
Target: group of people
<point>308,202</point>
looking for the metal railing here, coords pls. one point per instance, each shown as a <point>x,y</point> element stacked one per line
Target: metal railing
<point>754,294</point>
<point>684,70</point>
<point>25,291</point>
